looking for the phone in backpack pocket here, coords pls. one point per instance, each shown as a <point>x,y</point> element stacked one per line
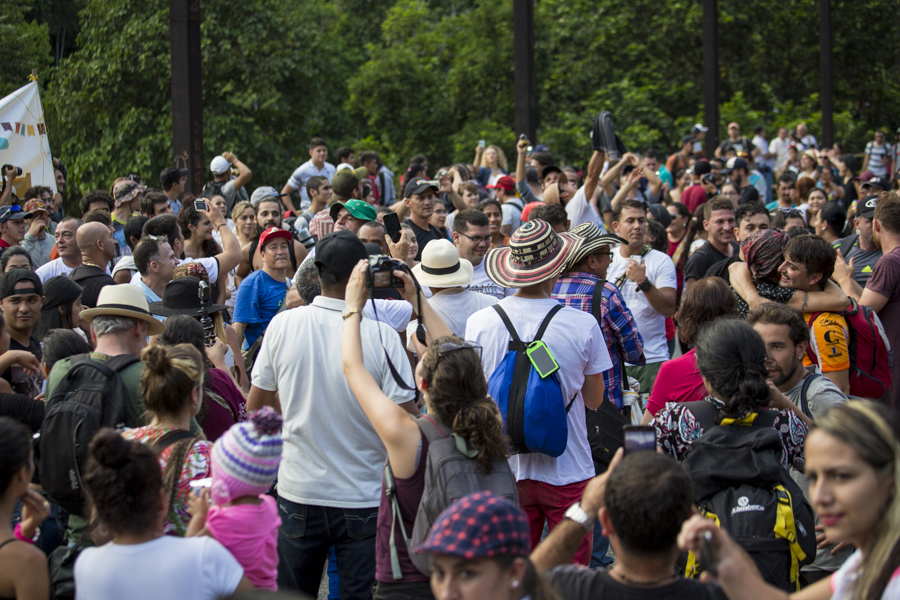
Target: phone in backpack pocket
<point>541,359</point>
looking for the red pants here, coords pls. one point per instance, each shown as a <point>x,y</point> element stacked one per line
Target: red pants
<point>544,502</point>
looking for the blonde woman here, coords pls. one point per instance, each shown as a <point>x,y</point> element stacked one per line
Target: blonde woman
<point>491,164</point>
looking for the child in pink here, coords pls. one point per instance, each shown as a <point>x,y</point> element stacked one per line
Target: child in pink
<point>244,518</point>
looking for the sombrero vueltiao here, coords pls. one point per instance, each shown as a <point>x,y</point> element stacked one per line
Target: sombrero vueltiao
<point>535,254</point>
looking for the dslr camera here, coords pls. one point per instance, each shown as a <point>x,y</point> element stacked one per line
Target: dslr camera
<point>380,273</point>
<point>18,169</point>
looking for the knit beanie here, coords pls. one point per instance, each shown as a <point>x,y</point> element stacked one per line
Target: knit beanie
<point>245,459</point>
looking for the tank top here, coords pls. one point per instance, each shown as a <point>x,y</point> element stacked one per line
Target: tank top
<point>409,493</point>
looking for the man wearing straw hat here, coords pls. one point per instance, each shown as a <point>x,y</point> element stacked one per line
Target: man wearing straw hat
<point>549,488</point>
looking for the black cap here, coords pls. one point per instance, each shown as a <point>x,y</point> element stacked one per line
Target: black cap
<point>419,185</point>
<point>337,254</point>
<point>182,297</point>
<point>9,280</point>
<point>660,213</point>
<point>866,207</point>
<point>687,139</point>
<point>170,176</point>
<point>877,182</point>
<point>702,167</point>
<point>735,163</point>
<point>550,169</point>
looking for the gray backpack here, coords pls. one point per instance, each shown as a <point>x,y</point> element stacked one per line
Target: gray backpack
<point>450,474</point>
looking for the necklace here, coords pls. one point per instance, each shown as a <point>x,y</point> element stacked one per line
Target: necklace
<point>616,572</point>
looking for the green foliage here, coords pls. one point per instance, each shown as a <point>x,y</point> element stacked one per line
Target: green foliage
<point>24,45</point>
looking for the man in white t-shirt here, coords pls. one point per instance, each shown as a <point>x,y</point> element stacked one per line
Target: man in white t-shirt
<point>549,488</point>
<point>646,279</point>
<point>69,254</point>
<point>316,165</point>
<point>780,147</point>
<point>329,481</point>
<point>472,238</point>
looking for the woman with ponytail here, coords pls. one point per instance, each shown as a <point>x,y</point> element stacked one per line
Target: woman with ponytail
<point>853,466</point>
<point>450,378</point>
<point>172,387</point>
<point>731,359</point>
<point>125,485</point>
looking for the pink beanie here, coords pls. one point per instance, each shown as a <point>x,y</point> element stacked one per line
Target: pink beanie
<point>245,459</point>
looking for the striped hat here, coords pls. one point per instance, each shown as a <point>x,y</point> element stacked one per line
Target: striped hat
<point>594,239</point>
<point>535,254</point>
<point>245,459</point>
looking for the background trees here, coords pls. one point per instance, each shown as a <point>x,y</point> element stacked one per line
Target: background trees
<point>415,76</point>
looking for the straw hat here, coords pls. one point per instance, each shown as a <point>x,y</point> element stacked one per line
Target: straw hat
<point>124,300</point>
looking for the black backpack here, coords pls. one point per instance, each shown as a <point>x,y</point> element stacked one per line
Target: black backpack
<point>213,188</point>
<point>90,396</point>
<point>740,483</point>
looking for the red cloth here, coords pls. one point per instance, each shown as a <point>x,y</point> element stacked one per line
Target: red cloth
<point>54,254</point>
<point>693,197</point>
<point>670,328</point>
<point>678,381</point>
<point>219,418</point>
<point>526,210</point>
<point>542,501</point>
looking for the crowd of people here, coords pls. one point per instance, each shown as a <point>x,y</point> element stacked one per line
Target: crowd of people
<point>445,387</point>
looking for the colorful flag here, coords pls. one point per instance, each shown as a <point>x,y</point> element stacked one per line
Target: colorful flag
<point>21,113</point>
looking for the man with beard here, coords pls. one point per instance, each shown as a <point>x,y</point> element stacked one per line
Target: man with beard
<point>268,214</point>
<point>718,220</point>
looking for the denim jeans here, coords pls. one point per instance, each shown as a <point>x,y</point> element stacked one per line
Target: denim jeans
<point>599,559</point>
<point>769,176</point>
<point>306,534</point>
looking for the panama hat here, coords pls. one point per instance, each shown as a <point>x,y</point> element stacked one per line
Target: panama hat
<point>124,300</point>
<point>442,267</point>
<point>594,239</point>
<point>535,254</point>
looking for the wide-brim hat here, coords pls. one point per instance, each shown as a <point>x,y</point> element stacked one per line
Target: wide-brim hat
<point>442,267</point>
<point>535,254</point>
<point>182,297</point>
<point>594,239</point>
<point>124,300</point>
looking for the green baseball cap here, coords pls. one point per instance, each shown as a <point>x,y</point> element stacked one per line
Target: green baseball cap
<point>357,208</point>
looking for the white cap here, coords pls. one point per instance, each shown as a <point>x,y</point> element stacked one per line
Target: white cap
<point>219,165</point>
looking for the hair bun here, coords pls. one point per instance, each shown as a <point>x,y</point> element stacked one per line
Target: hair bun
<point>266,421</point>
<point>156,359</point>
<point>110,449</point>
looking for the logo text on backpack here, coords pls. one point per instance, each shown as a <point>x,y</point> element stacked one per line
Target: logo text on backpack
<point>745,506</point>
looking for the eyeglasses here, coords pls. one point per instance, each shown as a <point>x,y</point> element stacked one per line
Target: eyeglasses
<point>478,240</point>
<point>448,347</point>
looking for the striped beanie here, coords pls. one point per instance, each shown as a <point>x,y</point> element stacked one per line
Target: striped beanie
<point>245,459</point>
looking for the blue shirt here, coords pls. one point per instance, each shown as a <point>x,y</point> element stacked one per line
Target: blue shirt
<point>258,299</point>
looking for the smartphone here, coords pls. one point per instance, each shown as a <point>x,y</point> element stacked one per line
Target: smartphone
<point>541,359</point>
<point>200,483</point>
<point>523,138</point>
<point>639,438</point>
<point>482,143</point>
<point>201,205</point>
<point>707,558</point>
<point>392,224</point>
<point>637,258</point>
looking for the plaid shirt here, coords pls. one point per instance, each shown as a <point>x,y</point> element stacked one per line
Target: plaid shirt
<point>617,324</point>
<point>322,224</point>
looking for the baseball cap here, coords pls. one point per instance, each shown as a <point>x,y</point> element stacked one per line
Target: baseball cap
<point>12,213</point>
<point>419,185</point>
<point>9,280</point>
<point>357,208</point>
<point>865,176</point>
<point>263,192</point>
<point>506,183</point>
<point>866,207</point>
<point>550,169</point>
<point>687,139</point>
<point>219,165</point>
<point>733,163</point>
<point>877,182</point>
<point>125,191</point>
<point>343,183</point>
<point>337,254</point>
<point>35,205</point>
<point>699,128</point>
<point>273,233</point>
<point>702,167</point>
<point>660,214</point>
<point>171,175</point>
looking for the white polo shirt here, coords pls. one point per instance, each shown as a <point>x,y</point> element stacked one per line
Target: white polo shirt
<point>332,455</point>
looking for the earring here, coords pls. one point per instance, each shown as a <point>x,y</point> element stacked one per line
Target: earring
<point>515,584</point>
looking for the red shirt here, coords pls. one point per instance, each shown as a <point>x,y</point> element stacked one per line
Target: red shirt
<point>3,243</point>
<point>678,381</point>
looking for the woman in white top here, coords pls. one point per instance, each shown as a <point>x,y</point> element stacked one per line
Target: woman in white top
<point>125,484</point>
<point>853,466</point>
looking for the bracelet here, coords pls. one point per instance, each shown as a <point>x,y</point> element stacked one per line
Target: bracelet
<point>19,535</point>
<point>221,225</point>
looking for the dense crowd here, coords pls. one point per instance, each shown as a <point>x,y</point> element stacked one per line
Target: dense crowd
<point>645,376</point>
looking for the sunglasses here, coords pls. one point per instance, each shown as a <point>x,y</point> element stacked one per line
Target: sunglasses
<point>448,347</point>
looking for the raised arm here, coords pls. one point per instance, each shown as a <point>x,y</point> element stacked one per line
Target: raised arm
<point>230,256</point>
<point>476,162</point>
<point>629,183</point>
<point>244,173</point>
<point>286,196</point>
<point>592,179</point>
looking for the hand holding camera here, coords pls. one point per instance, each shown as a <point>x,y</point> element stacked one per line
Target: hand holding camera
<point>11,172</point>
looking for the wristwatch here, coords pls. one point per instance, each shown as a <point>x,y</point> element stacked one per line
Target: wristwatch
<point>577,514</point>
<point>351,311</point>
<point>644,285</point>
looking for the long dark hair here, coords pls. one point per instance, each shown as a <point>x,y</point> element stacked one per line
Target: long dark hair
<point>58,291</point>
<point>191,216</point>
<point>457,392</point>
<point>15,450</point>
<point>731,357</point>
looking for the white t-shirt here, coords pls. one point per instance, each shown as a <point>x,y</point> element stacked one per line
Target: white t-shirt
<point>512,214</point>
<point>763,146</point>
<point>168,567</point>
<point>332,455</point>
<point>395,313</point>
<point>210,264</point>
<point>576,342</point>
<point>843,579</point>
<point>302,174</point>
<point>454,306</point>
<point>781,149</point>
<point>483,284</point>
<point>126,263</point>
<point>54,268</point>
<point>580,211</point>
<point>651,324</point>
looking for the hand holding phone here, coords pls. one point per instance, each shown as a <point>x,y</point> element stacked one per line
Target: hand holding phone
<point>201,205</point>
<point>639,438</point>
<point>392,225</point>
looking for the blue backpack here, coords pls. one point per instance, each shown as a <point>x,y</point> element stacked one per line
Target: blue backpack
<point>533,408</point>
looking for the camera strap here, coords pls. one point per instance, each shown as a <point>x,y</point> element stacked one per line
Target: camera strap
<point>420,335</point>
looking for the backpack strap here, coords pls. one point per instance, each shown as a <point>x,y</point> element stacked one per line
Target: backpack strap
<point>254,244</point>
<point>804,403</point>
<point>516,344</point>
<point>431,429</point>
<point>786,528</point>
<point>847,244</point>
<point>170,438</point>
<point>121,362</point>
<point>546,322</point>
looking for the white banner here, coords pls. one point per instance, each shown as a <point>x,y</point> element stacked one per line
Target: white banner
<point>23,139</point>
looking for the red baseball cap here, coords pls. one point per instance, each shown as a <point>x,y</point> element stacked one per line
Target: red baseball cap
<point>272,233</point>
<point>506,182</point>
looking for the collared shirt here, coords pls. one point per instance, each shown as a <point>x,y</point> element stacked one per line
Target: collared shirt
<point>619,329</point>
<point>332,455</point>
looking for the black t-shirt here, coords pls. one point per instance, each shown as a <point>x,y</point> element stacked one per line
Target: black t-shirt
<point>720,269</point>
<point>91,279</point>
<point>702,259</point>
<point>20,380</point>
<point>423,236</point>
<point>578,583</point>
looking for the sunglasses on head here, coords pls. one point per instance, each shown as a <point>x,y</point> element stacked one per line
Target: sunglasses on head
<point>448,347</point>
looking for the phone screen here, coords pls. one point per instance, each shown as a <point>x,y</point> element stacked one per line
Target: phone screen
<point>639,438</point>
<point>392,224</point>
<point>637,258</point>
<point>201,205</point>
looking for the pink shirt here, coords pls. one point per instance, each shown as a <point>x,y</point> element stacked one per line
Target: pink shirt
<point>250,533</point>
<point>678,381</point>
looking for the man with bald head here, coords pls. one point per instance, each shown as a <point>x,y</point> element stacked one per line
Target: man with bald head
<point>98,247</point>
